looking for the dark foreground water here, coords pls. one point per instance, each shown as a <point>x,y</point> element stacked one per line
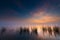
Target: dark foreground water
<point>22,37</point>
<point>18,37</point>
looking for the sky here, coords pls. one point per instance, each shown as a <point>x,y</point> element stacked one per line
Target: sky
<point>30,11</point>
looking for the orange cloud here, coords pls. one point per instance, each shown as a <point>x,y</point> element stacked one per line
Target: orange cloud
<point>43,17</point>
<point>38,17</point>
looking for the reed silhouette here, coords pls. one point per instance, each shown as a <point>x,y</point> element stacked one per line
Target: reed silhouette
<point>56,31</point>
<point>50,31</point>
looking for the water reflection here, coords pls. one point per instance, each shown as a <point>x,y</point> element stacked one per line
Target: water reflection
<point>30,33</point>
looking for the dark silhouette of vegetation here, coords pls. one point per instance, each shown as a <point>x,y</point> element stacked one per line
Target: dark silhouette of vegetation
<point>3,30</point>
<point>56,30</point>
<point>35,31</point>
<point>25,30</point>
<point>50,30</point>
<point>44,30</point>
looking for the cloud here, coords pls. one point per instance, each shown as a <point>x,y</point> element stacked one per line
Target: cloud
<point>43,17</point>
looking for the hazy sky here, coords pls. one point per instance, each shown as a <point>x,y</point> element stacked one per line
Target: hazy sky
<point>32,11</point>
